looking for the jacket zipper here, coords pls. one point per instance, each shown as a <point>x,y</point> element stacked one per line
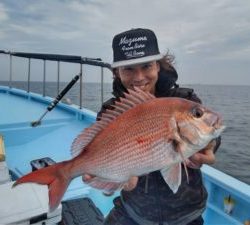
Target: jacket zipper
<point>157,194</point>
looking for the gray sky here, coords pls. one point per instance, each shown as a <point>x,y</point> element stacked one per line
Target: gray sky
<point>209,38</point>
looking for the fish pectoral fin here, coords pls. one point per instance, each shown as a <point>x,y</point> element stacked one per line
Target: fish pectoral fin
<point>172,176</point>
<point>107,186</point>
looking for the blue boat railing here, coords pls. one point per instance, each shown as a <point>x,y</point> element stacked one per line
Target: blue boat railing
<point>58,58</point>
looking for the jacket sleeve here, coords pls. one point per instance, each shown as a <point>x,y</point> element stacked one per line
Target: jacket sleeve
<point>193,97</point>
<point>187,93</point>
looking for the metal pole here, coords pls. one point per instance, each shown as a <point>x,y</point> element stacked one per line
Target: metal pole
<point>80,86</point>
<point>44,76</point>
<point>29,76</point>
<point>10,80</point>
<point>102,85</point>
<point>58,77</point>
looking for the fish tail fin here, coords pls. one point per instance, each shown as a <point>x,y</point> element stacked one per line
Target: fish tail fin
<point>54,176</point>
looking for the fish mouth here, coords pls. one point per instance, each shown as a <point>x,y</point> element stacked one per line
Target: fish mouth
<point>215,121</point>
<point>220,129</point>
<point>218,126</point>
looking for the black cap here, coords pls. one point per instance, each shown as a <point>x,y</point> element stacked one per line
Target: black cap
<point>135,46</point>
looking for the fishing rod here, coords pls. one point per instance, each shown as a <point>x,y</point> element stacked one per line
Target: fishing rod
<point>53,104</point>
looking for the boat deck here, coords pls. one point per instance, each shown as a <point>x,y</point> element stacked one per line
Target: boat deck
<point>24,143</point>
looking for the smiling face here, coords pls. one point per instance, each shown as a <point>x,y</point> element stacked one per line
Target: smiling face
<point>143,76</point>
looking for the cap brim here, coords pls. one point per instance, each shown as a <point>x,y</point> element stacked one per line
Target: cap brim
<point>131,62</point>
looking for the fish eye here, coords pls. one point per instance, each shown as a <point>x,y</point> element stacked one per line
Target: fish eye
<point>197,112</point>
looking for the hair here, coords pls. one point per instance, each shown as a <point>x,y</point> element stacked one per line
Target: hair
<point>166,64</point>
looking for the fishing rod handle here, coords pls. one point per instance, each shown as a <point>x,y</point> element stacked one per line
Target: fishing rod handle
<point>63,92</point>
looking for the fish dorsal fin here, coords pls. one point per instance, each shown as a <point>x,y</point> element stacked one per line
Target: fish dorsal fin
<point>131,99</point>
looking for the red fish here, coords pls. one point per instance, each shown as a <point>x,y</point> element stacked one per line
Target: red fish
<point>140,135</point>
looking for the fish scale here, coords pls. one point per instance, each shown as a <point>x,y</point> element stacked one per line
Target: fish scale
<point>116,146</point>
<point>134,154</point>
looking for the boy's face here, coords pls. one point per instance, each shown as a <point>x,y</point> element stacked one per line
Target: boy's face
<point>143,76</point>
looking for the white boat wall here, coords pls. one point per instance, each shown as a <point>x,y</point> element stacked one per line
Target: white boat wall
<point>25,147</point>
